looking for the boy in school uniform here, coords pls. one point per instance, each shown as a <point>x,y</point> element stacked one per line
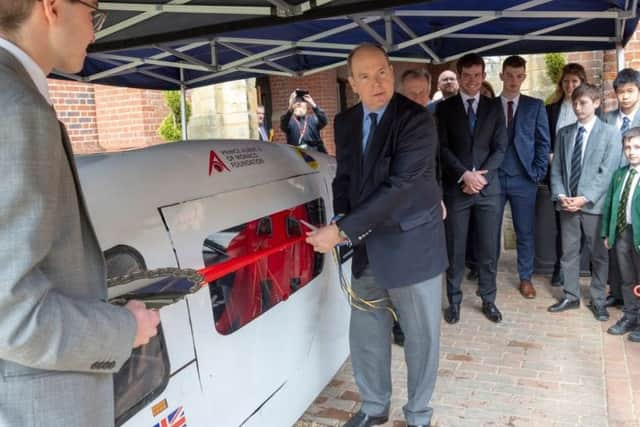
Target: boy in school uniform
<point>627,88</point>
<point>586,155</point>
<point>621,232</point>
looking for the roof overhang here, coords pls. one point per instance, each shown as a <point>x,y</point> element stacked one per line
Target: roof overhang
<point>169,44</point>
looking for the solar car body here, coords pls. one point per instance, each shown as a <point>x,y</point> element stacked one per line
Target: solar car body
<point>255,345</point>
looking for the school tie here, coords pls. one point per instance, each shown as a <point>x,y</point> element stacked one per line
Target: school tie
<point>471,115</point>
<point>625,125</point>
<point>373,118</point>
<point>509,114</point>
<point>621,219</point>
<point>576,163</point>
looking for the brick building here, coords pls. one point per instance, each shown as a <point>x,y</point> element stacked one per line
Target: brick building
<point>103,118</point>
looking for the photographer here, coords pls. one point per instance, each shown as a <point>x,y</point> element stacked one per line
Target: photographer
<point>302,129</point>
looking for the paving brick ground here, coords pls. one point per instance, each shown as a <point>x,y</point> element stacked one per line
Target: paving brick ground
<point>533,369</point>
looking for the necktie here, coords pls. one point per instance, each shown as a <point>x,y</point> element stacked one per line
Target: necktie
<point>625,124</point>
<point>373,118</point>
<point>621,218</point>
<point>509,113</point>
<point>576,163</point>
<point>263,133</point>
<point>471,115</point>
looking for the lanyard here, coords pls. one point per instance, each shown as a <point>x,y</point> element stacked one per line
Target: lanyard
<point>302,129</point>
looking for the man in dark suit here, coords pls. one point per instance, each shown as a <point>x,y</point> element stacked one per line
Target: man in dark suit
<point>263,130</point>
<point>473,139</point>
<point>524,165</point>
<point>386,189</point>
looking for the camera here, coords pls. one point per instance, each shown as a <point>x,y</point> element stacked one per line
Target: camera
<point>300,93</point>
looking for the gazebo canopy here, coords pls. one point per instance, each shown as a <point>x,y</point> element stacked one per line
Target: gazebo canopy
<point>167,44</point>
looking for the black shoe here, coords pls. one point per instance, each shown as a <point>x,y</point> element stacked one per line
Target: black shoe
<point>491,312</point>
<point>472,274</point>
<point>599,312</point>
<point>564,304</point>
<point>557,279</point>
<point>623,325</point>
<point>360,419</point>
<point>634,336</point>
<point>452,314</point>
<point>398,335</point>
<point>612,301</point>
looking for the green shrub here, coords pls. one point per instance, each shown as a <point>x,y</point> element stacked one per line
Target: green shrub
<point>171,127</point>
<point>554,63</point>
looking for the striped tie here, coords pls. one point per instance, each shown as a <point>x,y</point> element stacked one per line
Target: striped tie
<point>625,125</point>
<point>576,163</point>
<point>621,218</point>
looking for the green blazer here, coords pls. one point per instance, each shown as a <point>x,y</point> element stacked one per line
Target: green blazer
<point>610,211</point>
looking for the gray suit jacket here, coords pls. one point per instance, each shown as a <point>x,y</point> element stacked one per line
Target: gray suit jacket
<point>611,118</point>
<point>601,159</point>
<point>59,340</point>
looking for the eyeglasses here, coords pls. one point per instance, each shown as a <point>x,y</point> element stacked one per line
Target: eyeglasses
<point>97,15</point>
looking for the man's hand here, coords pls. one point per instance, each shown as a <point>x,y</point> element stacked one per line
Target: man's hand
<point>444,210</point>
<point>606,243</point>
<point>468,190</point>
<point>475,180</point>
<point>324,239</point>
<point>147,322</point>
<point>309,100</point>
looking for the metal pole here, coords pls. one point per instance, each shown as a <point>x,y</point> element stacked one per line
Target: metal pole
<point>183,106</point>
<point>619,56</point>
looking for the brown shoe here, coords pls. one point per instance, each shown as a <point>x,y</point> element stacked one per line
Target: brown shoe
<point>527,290</point>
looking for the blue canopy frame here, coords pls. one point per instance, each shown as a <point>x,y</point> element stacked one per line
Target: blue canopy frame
<point>177,44</point>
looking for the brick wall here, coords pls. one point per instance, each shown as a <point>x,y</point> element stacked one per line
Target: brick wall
<point>602,67</point>
<point>128,118</point>
<point>75,106</point>
<point>103,118</point>
<point>322,87</point>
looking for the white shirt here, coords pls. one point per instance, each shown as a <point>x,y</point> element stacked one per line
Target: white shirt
<point>634,184</point>
<point>505,107</point>
<point>33,69</point>
<point>622,115</point>
<point>566,117</point>
<point>465,101</point>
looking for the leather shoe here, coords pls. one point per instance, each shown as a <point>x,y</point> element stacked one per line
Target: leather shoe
<point>623,325</point>
<point>452,314</point>
<point>612,301</point>
<point>599,312</point>
<point>557,278</point>
<point>527,290</point>
<point>398,335</point>
<point>360,419</point>
<point>563,305</point>
<point>634,336</point>
<point>491,312</point>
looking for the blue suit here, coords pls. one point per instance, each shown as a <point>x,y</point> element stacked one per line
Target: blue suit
<point>524,166</point>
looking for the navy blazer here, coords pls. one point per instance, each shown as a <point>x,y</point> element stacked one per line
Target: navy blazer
<point>460,151</point>
<point>390,194</point>
<point>531,137</point>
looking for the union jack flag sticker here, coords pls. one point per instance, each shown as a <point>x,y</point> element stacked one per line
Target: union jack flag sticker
<point>175,419</point>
